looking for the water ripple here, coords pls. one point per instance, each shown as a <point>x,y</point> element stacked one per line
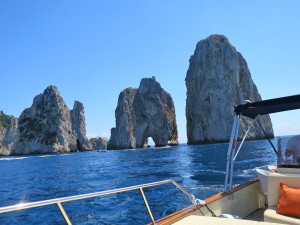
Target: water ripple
<point>199,169</point>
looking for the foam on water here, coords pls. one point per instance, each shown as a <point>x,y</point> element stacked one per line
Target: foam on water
<point>12,158</point>
<point>65,154</point>
<point>44,156</point>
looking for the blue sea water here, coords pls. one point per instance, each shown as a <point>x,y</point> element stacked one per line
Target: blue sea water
<point>198,169</point>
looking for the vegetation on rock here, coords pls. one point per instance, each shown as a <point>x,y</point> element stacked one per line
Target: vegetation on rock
<point>4,120</point>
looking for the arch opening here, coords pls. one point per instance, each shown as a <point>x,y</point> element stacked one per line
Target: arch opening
<point>149,142</point>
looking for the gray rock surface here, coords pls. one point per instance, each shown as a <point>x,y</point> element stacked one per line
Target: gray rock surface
<point>8,133</point>
<point>48,126</point>
<point>141,113</point>
<point>217,79</point>
<point>79,126</point>
<point>98,143</point>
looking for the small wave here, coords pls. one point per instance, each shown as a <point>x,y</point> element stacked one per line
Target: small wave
<point>144,149</point>
<point>13,158</point>
<point>210,171</point>
<point>247,173</point>
<point>43,156</point>
<point>164,147</point>
<point>130,149</point>
<point>65,155</point>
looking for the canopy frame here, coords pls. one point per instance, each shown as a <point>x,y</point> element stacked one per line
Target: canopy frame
<point>253,111</point>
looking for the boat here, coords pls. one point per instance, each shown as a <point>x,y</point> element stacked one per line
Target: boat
<point>271,198</point>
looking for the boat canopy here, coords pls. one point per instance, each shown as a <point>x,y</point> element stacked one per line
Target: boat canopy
<point>254,109</point>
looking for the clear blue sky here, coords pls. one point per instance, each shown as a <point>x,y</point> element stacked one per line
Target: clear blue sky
<point>92,50</point>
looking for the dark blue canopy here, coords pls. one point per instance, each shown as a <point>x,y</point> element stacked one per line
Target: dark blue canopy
<point>268,106</point>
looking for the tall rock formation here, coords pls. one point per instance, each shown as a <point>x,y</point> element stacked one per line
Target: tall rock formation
<point>141,113</point>
<point>8,133</point>
<point>122,136</point>
<point>48,126</point>
<point>79,126</point>
<point>217,79</point>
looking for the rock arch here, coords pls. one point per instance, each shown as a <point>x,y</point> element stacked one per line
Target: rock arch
<point>141,113</point>
<point>149,142</point>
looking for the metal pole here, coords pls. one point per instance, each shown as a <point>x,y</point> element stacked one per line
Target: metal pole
<point>147,206</point>
<point>237,152</point>
<point>64,214</point>
<point>28,205</point>
<point>231,146</point>
<point>181,189</point>
<point>233,150</point>
<point>59,201</point>
<point>267,137</point>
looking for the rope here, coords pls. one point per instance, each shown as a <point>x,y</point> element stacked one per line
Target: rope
<point>198,202</point>
<point>212,213</point>
<point>201,212</point>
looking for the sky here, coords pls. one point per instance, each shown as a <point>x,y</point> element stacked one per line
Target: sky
<point>92,50</point>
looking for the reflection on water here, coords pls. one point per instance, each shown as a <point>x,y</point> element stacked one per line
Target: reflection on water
<point>199,169</point>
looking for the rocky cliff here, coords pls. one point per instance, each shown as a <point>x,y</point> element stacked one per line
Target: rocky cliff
<point>141,113</point>
<point>8,133</point>
<point>48,126</point>
<point>217,79</point>
<point>98,143</point>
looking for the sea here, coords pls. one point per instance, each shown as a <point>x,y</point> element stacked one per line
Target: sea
<point>199,169</point>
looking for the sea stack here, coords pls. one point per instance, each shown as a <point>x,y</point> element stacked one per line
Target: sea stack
<point>217,79</point>
<point>8,133</point>
<point>48,126</point>
<point>141,113</point>
<point>98,143</point>
<point>79,126</point>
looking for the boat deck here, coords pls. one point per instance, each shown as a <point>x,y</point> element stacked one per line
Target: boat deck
<point>258,215</point>
<point>196,220</point>
<point>256,218</point>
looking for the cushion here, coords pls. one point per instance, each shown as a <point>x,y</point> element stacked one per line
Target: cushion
<point>289,201</point>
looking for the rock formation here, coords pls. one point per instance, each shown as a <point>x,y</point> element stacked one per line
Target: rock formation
<point>141,113</point>
<point>48,126</point>
<point>217,79</point>
<point>79,126</point>
<point>98,143</point>
<point>8,133</point>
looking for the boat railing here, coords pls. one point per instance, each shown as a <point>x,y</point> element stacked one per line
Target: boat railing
<point>59,201</point>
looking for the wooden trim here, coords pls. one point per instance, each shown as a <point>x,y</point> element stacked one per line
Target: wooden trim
<point>184,212</point>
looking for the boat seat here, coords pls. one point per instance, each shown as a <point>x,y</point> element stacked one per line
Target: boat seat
<point>274,180</point>
<point>270,215</point>
<point>196,220</point>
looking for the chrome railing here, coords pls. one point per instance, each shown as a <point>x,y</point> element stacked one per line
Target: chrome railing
<point>59,201</point>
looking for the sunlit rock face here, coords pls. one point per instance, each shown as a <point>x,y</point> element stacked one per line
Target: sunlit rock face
<point>217,79</point>
<point>141,113</point>
<point>8,133</point>
<point>48,126</point>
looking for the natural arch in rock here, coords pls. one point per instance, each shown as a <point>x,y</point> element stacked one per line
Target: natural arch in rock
<point>142,113</point>
<point>149,142</point>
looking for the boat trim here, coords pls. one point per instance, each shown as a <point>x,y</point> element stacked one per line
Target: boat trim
<point>184,212</point>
